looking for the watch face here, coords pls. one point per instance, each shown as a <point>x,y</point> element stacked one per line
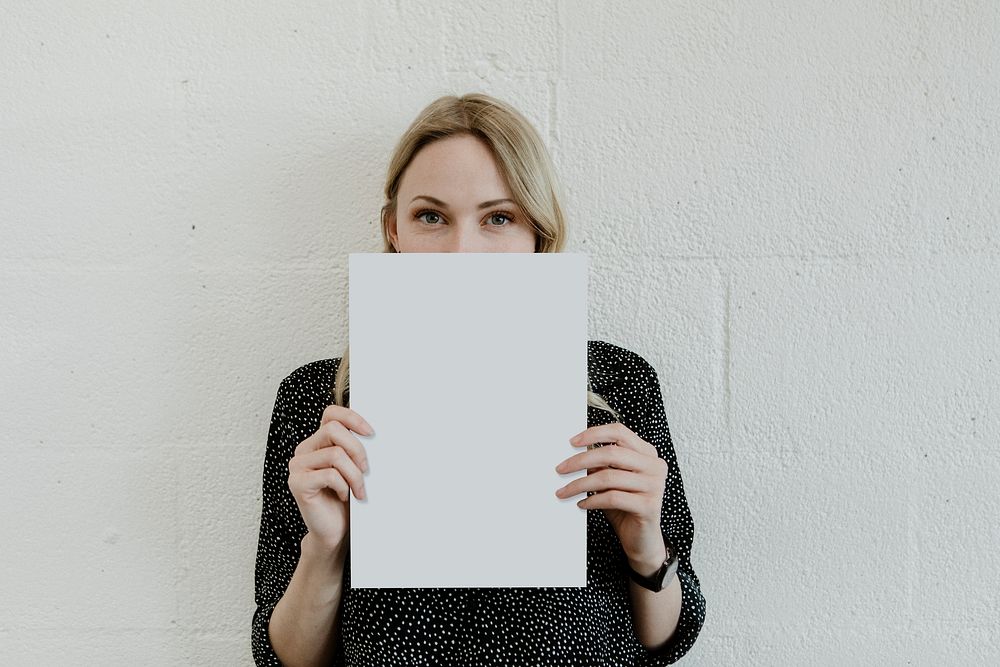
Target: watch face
<point>672,570</point>
<point>662,577</point>
<point>653,582</point>
<point>666,573</point>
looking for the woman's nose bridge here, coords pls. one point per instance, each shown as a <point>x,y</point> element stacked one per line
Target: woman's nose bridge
<point>465,236</point>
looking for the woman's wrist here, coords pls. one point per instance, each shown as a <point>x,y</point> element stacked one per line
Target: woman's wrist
<point>322,560</point>
<point>653,554</point>
<point>319,550</point>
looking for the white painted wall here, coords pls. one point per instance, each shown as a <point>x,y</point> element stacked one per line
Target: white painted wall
<point>791,209</point>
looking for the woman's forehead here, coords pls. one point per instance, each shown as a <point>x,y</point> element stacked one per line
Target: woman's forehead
<point>454,172</point>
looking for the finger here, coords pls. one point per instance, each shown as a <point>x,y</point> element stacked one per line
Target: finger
<point>348,417</point>
<point>332,457</point>
<point>332,433</point>
<point>633,503</point>
<point>615,432</point>
<point>608,478</point>
<point>654,466</point>
<point>617,457</point>
<point>595,446</point>
<point>314,481</point>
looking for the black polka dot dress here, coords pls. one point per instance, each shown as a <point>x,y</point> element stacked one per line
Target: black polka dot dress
<point>591,625</point>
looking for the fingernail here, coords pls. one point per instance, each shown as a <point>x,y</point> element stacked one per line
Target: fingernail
<point>368,427</point>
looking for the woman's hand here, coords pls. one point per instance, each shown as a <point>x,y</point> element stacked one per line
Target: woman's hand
<point>629,480</point>
<point>326,467</point>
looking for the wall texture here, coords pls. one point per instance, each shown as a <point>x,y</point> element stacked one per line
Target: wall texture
<point>791,210</point>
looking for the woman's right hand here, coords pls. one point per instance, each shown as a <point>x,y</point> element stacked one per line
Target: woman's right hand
<point>326,467</point>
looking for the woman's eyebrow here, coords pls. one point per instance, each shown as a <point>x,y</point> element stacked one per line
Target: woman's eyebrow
<point>438,202</point>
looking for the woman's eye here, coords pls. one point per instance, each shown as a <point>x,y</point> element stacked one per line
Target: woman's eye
<point>504,216</point>
<point>435,219</point>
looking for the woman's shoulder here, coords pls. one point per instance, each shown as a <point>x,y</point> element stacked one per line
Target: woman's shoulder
<point>609,364</point>
<point>311,382</point>
<point>313,371</point>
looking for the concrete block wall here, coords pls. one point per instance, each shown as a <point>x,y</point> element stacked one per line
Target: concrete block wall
<point>791,211</point>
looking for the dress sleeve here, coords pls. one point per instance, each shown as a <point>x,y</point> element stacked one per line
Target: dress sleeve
<point>676,523</point>
<point>281,529</point>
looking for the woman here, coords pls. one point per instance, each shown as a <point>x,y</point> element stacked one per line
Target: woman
<point>472,175</point>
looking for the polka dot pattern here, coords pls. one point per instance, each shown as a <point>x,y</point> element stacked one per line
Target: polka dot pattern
<point>591,625</point>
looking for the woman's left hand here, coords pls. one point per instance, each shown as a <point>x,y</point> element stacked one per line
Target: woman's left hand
<point>629,478</point>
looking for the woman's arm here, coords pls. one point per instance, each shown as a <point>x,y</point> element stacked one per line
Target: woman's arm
<point>655,615</point>
<point>297,586</point>
<point>304,623</point>
<point>667,623</point>
<point>673,617</point>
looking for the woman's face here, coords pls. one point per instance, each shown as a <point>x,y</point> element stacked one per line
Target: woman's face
<point>474,211</point>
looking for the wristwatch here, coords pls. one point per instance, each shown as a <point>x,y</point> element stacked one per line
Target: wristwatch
<point>662,577</point>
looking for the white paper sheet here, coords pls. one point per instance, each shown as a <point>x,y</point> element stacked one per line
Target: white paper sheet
<point>472,370</point>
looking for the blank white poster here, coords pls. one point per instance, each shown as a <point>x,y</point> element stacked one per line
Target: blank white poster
<point>472,370</point>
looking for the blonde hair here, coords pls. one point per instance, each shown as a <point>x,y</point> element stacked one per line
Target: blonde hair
<point>521,158</point>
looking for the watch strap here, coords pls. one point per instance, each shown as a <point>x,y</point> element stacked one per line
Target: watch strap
<point>659,579</point>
